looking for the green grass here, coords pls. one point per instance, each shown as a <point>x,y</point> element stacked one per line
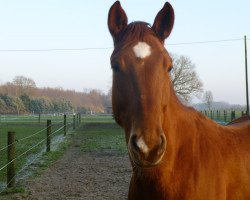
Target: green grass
<point>31,118</point>
<point>46,160</point>
<point>25,126</point>
<point>95,134</point>
<point>36,166</point>
<point>21,146</point>
<point>97,119</point>
<point>102,136</point>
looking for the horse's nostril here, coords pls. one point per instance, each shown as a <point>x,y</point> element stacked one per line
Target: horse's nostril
<point>134,142</point>
<point>163,140</point>
<point>162,145</point>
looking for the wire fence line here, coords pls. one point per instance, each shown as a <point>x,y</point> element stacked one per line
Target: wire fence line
<point>31,118</point>
<point>32,135</point>
<point>60,126</point>
<point>31,162</point>
<point>23,168</point>
<point>205,42</point>
<point>19,156</point>
<point>22,139</point>
<point>224,116</point>
<point>110,47</point>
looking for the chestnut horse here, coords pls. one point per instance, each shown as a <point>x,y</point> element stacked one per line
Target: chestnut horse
<point>175,152</point>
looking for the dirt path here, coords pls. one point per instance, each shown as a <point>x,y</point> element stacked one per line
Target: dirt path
<point>81,175</point>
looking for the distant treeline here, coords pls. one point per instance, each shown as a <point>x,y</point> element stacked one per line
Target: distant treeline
<point>22,96</point>
<point>26,104</point>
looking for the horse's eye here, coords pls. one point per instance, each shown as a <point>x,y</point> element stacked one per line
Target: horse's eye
<point>115,68</point>
<point>170,69</point>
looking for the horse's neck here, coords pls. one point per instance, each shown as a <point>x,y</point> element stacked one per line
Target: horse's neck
<point>178,116</point>
<point>180,127</point>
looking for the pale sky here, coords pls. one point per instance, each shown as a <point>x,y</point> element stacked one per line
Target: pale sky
<point>61,24</point>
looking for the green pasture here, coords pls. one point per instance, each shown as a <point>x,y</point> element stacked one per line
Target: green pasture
<point>101,134</point>
<point>98,119</point>
<point>30,138</point>
<point>95,134</point>
<point>28,119</point>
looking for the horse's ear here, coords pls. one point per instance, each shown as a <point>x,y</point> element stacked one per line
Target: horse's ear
<point>117,19</point>
<point>164,21</point>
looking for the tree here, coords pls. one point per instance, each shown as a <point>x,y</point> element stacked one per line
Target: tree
<point>208,99</point>
<point>24,85</point>
<point>184,78</point>
<point>106,99</point>
<point>3,106</point>
<point>36,105</point>
<point>19,106</point>
<point>11,104</point>
<point>26,101</point>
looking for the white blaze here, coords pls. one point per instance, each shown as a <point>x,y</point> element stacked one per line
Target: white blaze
<point>142,50</point>
<point>141,144</point>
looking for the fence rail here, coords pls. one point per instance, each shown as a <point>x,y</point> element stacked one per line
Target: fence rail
<point>12,141</point>
<point>224,115</point>
<point>33,118</point>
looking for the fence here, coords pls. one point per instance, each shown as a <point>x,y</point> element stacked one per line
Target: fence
<point>33,118</point>
<point>223,115</point>
<point>12,141</point>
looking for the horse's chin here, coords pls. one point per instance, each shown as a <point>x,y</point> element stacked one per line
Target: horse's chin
<point>141,163</point>
<point>145,164</point>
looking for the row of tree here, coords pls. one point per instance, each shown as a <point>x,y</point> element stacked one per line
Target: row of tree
<point>23,96</point>
<point>26,104</point>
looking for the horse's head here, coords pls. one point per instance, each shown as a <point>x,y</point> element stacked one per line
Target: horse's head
<point>141,83</point>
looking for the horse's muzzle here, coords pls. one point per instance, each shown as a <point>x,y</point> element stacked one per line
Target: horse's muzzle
<point>145,153</point>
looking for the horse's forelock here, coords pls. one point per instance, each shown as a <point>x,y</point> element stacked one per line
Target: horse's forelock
<point>135,31</point>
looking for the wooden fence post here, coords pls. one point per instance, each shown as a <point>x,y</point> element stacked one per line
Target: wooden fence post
<point>246,74</point>
<point>48,135</point>
<point>39,118</point>
<point>74,122</point>
<point>77,117</point>
<point>232,115</point>
<point>11,156</point>
<point>80,118</point>
<point>65,124</point>
<point>225,115</point>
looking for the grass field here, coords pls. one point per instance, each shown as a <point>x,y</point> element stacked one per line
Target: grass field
<point>30,139</point>
<point>27,119</point>
<point>101,133</point>
<point>96,133</point>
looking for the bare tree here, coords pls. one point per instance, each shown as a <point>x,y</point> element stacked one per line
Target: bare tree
<point>19,106</point>
<point>208,99</point>
<point>184,78</point>
<point>24,85</point>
